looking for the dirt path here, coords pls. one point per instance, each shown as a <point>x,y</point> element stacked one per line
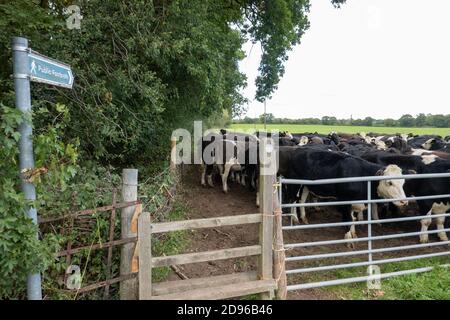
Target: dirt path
<point>204,202</point>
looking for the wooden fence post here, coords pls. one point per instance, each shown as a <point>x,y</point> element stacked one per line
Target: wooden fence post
<point>279,271</point>
<point>128,289</point>
<point>145,256</point>
<point>266,182</point>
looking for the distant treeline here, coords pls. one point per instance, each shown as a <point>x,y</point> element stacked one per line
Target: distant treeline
<point>407,120</point>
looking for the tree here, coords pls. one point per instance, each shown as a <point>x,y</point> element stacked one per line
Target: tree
<point>325,120</point>
<point>269,118</point>
<point>368,121</point>
<point>440,121</point>
<point>333,121</point>
<point>278,26</point>
<point>421,120</point>
<point>389,122</point>
<point>406,120</point>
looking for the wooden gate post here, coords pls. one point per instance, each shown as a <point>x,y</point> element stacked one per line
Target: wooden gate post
<point>145,256</point>
<point>128,289</point>
<point>266,183</point>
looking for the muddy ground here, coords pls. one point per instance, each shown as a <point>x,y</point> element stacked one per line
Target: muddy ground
<point>205,202</point>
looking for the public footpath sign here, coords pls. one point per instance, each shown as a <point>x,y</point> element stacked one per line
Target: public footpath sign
<point>32,66</point>
<point>47,70</point>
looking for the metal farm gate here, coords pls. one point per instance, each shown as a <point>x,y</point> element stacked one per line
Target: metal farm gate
<point>301,264</point>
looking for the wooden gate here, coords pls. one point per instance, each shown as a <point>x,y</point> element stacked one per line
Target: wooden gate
<point>263,281</point>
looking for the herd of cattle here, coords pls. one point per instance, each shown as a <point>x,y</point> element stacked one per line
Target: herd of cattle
<point>312,156</point>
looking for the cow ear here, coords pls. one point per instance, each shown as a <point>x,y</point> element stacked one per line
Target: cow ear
<point>410,171</point>
<point>380,172</point>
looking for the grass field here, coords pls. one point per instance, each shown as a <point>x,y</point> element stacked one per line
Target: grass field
<point>434,285</point>
<point>298,128</point>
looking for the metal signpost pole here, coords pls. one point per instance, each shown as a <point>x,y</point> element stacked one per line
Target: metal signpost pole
<point>23,103</point>
<point>29,66</point>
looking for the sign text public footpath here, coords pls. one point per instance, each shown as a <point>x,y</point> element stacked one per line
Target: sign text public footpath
<point>46,70</point>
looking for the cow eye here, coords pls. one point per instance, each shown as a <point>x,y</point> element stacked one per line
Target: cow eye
<point>390,183</point>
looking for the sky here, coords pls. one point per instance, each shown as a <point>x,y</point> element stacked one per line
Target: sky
<point>377,58</point>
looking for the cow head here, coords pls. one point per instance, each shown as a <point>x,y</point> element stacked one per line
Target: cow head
<point>304,140</point>
<point>289,135</point>
<point>380,145</point>
<point>404,137</point>
<point>334,137</point>
<point>392,189</point>
<point>428,145</point>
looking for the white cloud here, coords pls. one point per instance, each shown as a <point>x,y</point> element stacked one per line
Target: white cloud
<point>378,58</point>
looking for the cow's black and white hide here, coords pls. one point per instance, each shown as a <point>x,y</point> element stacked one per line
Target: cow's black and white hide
<point>285,141</point>
<point>422,187</point>
<point>355,149</point>
<point>229,156</point>
<point>311,164</point>
<point>396,142</point>
<point>417,141</point>
<point>436,144</point>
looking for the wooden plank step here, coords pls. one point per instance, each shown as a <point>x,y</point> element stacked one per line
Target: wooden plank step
<point>222,292</point>
<point>167,287</point>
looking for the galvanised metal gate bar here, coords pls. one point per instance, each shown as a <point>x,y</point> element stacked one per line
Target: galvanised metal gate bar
<point>369,239</point>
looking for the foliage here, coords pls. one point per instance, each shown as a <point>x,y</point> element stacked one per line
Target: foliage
<point>20,250</point>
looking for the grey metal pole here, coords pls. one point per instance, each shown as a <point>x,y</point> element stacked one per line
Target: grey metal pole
<point>26,157</point>
<point>369,225</point>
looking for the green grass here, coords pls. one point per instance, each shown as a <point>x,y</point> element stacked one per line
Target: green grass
<point>298,128</point>
<point>433,285</point>
<point>170,243</point>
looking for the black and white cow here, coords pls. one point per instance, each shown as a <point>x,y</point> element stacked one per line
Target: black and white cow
<point>229,152</point>
<point>422,187</point>
<point>436,144</point>
<point>417,141</point>
<point>305,138</point>
<point>396,142</point>
<point>312,164</point>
